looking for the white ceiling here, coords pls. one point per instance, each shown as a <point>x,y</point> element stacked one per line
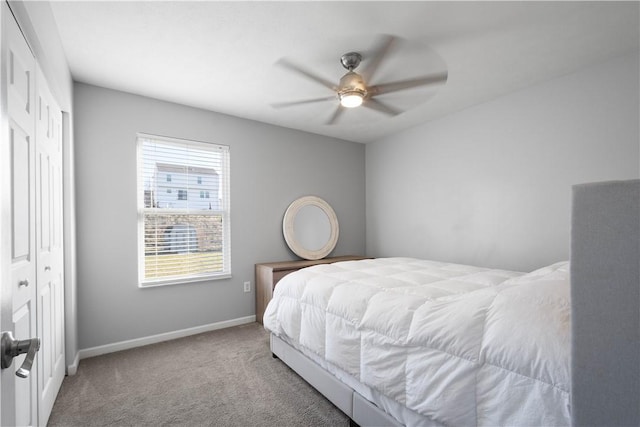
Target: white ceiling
<point>221,56</point>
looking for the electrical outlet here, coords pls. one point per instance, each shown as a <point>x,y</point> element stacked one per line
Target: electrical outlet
<point>247,286</point>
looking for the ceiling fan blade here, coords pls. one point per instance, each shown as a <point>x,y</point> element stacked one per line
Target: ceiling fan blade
<point>374,104</point>
<point>408,84</point>
<point>308,74</point>
<point>332,120</point>
<point>302,102</point>
<point>383,46</point>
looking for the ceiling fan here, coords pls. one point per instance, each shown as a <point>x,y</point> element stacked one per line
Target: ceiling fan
<point>354,89</point>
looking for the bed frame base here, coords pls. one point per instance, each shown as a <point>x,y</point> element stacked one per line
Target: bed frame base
<point>361,412</point>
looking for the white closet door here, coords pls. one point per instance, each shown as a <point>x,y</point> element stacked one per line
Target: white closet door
<point>17,223</point>
<point>49,249</point>
<point>31,234</point>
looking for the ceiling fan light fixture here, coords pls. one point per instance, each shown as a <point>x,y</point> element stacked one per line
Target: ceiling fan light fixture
<point>351,99</point>
<point>352,90</point>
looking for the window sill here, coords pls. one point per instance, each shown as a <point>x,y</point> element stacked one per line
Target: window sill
<point>182,281</point>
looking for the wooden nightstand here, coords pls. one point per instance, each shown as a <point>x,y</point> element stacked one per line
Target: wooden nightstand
<point>269,274</point>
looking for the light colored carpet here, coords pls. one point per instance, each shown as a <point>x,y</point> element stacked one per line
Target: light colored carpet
<point>220,378</point>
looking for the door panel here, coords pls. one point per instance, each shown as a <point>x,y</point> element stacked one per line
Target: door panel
<point>44,205</point>
<point>49,249</point>
<point>20,396</point>
<point>20,80</point>
<point>20,194</point>
<point>31,244</point>
<point>46,334</point>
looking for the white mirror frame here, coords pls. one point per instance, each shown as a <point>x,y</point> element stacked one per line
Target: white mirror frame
<point>289,233</point>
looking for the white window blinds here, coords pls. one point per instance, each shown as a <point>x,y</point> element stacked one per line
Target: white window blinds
<point>182,237</point>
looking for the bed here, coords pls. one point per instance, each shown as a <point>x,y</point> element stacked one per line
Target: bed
<point>403,341</point>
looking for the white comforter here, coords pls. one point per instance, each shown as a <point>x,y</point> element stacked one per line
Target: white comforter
<point>459,345</point>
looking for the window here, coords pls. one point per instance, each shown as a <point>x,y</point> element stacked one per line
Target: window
<point>185,239</point>
<point>199,180</point>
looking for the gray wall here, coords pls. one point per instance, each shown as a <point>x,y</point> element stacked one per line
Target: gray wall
<point>270,167</point>
<point>491,185</point>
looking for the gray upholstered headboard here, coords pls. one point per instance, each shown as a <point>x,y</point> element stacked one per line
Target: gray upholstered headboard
<point>605,294</point>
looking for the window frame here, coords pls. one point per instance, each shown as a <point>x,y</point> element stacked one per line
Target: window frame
<point>224,212</point>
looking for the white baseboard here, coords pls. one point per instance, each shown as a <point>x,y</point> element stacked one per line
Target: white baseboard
<point>73,368</point>
<point>139,342</point>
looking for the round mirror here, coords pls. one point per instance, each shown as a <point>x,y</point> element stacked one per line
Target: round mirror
<point>310,227</point>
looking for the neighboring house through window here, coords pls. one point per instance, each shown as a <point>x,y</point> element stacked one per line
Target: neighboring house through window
<point>182,237</point>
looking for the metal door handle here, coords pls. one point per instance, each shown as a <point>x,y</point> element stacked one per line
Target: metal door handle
<point>24,283</point>
<point>10,348</point>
